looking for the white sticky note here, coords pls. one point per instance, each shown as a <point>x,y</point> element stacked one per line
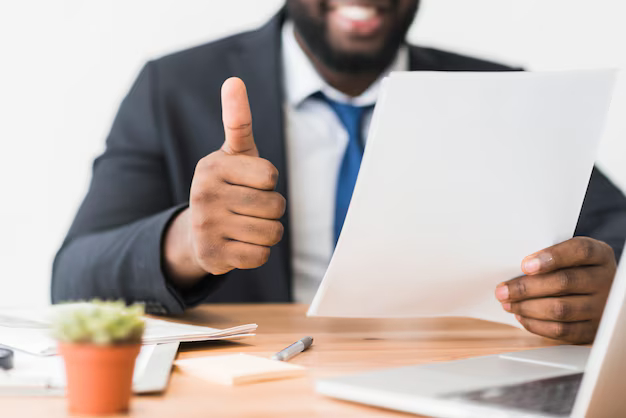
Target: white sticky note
<point>235,369</point>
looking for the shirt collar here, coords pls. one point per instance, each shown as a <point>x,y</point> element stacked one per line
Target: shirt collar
<point>301,80</point>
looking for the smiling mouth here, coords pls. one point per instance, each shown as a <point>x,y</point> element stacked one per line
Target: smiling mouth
<point>359,18</point>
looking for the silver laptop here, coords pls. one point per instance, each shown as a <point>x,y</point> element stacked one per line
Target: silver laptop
<point>561,381</point>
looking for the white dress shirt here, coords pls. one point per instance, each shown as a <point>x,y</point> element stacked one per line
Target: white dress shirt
<point>316,142</point>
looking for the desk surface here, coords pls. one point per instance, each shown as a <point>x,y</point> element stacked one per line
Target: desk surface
<point>341,346</point>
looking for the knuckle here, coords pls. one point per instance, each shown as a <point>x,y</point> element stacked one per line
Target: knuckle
<point>208,251</point>
<point>520,288</point>
<point>279,205</point>
<point>276,232</point>
<point>203,195</point>
<point>243,129</point>
<point>209,164</point>
<point>204,187</point>
<point>249,197</point>
<point>585,248</point>
<point>255,258</point>
<point>242,259</point>
<point>561,330</point>
<point>238,256</point>
<point>250,228</point>
<point>566,280</point>
<point>251,257</point>
<point>587,308</point>
<point>204,222</point>
<point>270,174</point>
<point>561,310</point>
<point>270,233</point>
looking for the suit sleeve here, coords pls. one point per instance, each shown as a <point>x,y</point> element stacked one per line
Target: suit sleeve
<point>603,215</point>
<point>114,246</point>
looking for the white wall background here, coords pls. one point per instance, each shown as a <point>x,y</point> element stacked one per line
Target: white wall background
<point>65,66</point>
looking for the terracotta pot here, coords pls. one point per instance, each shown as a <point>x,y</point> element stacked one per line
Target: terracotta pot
<point>99,377</point>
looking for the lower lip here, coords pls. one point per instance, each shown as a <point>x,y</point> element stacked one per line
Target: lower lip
<point>364,28</point>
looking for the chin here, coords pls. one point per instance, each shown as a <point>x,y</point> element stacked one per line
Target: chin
<point>360,36</point>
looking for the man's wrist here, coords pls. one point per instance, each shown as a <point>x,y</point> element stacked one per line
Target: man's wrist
<point>178,258</point>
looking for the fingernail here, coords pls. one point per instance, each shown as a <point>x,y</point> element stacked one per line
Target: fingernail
<point>519,318</point>
<point>537,263</point>
<point>502,292</point>
<point>506,307</point>
<point>532,266</point>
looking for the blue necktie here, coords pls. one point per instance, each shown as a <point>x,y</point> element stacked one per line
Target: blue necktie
<point>352,118</point>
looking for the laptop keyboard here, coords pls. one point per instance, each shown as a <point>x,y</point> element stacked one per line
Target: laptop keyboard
<point>554,396</point>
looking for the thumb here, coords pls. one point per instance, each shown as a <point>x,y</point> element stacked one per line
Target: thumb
<point>237,119</point>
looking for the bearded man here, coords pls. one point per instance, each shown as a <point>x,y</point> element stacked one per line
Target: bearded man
<point>186,205</point>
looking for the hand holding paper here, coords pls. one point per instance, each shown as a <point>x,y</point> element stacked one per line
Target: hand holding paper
<point>565,290</point>
<point>464,175</point>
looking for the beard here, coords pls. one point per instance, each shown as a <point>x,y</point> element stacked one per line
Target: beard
<point>314,33</point>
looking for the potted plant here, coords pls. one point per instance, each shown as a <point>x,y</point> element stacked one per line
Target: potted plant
<point>99,342</point>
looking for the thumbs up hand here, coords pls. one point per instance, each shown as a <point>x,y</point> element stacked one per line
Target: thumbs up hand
<point>232,220</point>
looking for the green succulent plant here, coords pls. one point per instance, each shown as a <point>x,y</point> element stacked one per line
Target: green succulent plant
<point>98,322</point>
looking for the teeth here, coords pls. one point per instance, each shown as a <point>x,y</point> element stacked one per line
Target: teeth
<point>355,12</point>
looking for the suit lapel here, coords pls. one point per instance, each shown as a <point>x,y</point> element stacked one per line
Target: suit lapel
<point>258,63</point>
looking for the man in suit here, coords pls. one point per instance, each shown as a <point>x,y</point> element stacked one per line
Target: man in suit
<point>186,205</point>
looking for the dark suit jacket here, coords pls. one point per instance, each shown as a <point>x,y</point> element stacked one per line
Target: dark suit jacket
<point>170,119</point>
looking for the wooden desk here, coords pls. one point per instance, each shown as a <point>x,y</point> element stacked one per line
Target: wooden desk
<point>341,346</point>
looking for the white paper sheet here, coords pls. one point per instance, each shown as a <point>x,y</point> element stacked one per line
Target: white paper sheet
<point>28,331</point>
<point>464,174</point>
